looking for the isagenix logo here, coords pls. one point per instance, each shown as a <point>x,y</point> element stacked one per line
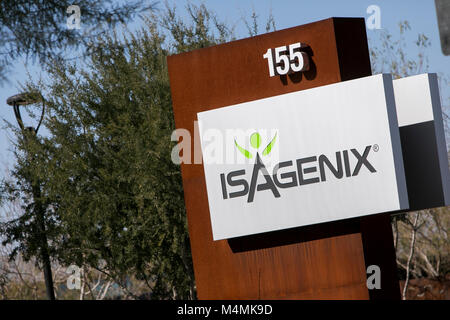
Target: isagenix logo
<point>319,164</point>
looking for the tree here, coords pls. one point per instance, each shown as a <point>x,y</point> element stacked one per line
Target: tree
<point>423,245</point>
<point>37,29</point>
<point>34,241</point>
<point>113,197</point>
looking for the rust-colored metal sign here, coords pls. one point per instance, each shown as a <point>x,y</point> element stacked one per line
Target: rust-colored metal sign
<point>325,261</point>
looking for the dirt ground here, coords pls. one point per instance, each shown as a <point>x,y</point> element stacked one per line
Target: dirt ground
<point>427,289</point>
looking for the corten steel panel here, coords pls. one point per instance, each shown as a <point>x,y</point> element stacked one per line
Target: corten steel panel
<point>326,261</point>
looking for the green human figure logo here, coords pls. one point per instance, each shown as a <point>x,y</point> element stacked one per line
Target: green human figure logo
<point>255,142</point>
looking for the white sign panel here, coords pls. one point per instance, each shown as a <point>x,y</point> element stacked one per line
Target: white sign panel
<point>303,158</point>
<point>423,141</point>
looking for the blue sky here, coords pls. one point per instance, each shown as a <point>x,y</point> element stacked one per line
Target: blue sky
<point>288,13</point>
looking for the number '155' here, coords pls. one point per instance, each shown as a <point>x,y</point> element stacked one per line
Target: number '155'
<point>283,61</point>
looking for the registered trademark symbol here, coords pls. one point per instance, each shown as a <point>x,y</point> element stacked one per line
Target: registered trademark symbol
<point>376,147</point>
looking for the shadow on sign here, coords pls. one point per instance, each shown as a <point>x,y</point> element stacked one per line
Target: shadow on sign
<point>296,77</point>
<point>294,235</point>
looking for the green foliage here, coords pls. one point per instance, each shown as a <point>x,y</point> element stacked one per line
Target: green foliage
<point>38,28</point>
<point>112,196</point>
<point>253,26</point>
<point>25,231</point>
<point>204,30</point>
